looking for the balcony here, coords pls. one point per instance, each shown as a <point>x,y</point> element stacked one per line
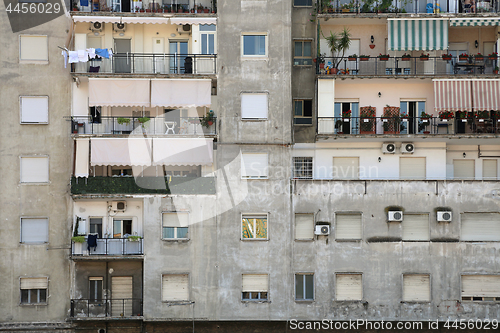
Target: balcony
<point>148,63</point>
<point>148,6</point>
<point>106,308</point>
<point>411,66</point>
<point>108,247</point>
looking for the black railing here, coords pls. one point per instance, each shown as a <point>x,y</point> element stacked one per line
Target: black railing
<point>108,246</point>
<point>197,126</point>
<point>407,125</point>
<point>391,66</point>
<point>122,307</point>
<point>145,63</point>
<point>201,7</point>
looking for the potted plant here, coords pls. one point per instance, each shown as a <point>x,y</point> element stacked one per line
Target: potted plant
<point>383,57</point>
<point>78,239</point>
<point>364,57</point>
<point>479,57</point>
<point>406,57</point>
<point>321,60</point>
<point>352,57</point>
<point>367,124</point>
<point>495,70</point>
<point>424,57</point>
<point>346,115</point>
<point>463,57</point>
<point>445,115</point>
<point>123,121</point>
<point>134,238</point>
<point>482,115</point>
<point>493,56</point>
<point>339,126</point>
<point>338,44</point>
<point>207,120</point>
<point>447,57</point>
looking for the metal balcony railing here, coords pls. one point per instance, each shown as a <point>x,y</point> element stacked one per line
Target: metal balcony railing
<point>108,246</point>
<point>152,6</point>
<point>411,66</point>
<point>87,308</point>
<point>144,63</point>
<point>407,125</point>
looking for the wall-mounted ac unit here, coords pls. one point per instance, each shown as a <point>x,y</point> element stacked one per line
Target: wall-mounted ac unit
<point>119,27</point>
<point>389,148</point>
<point>119,206</point>
<point>445,216</point>
<point>82,226</point>
<point>184,29</point>
<point>407,148</point>
<point>96,26</point>
<point>395,216</point>
<point>322,230</point>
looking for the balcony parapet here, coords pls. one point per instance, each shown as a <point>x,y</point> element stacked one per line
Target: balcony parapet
<point>127,308</point>
<point>108,247</point>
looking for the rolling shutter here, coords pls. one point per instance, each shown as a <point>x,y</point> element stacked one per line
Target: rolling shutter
<point>349,287</point>
<point>34,230</point>
<point>463,169</point>
<point>176,219</point>
<point>254,106</point>
<point>348,226</point>
<point>412,167</point>
<point>175,287</point>
<point>490,170</point>
<point>304,226</point>
<point>416,227</point>
<point>34,169</point>
<point>255,283</point>
<point>253,165</point>
<point>416,287</point>
<point>480,285</point>
<point>121,296</point>
<point>34,109</point>
<point>480,227</point>
<point>34,283</point>
<point>345,167</point>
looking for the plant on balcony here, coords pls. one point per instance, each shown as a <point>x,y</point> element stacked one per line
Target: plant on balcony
<point>123,121</point>
<point>445,115</point>
<point>424,115</point>
<point>134,238</point>
<point>482,114</point>
<point>338,44</point>
<point>207,120</point>
<point>367,124</point>
<point>463,57</point>
<point>391,121</point>
<point>406,57</point>
<point>493,56</point>
<point>364,57</point>
<point>424,122</point>
<point>78,239</point>
<point>479,57</point>
<point>447,56</point>
<point>346,114</point>
<point>495,70</point>
<point>424,57</point>
<point>383,57</point>
<point>352,57</point>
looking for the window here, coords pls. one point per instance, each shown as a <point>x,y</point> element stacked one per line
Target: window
<point>304,287</point>
<point>416,288</point>
<point>345,167</point>
<point>254,45</point>
<point>346,116</point>
<point>412,168</point>
<point>416,227</point>
<point>302,55</point>
<point>95,289</point>
<point>95,114</point>
<point>175,287</point>
<point>34,169</point>
<point>34,230</point>
<point>254,106</point>
<point>480,288</point>
<point>490,169</point>
<point>33,48</point>
<point>413,124</point>
<point>463,169</point>
<point>34,109</point>
<point>349,287</point>
<point>34,290</point>
<point>302,3</point>
<point>304,226</point>
<point>175,225</point>
<point>254,226</point>
<point>254,166</point>
<point>480,227</point>
<point>96,226</point>
<point>303,112</point>
<point>255,287</point>
<point>348,226</point>
<point>122,227</point>
<point>303,167</point>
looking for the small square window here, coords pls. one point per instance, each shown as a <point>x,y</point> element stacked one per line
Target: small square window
<point>254,105</point>
<point>303,167</point>
<point>175,287</point>
<point>35,169</point>
<point>302,112</point>
<point>34,109</point>
<point>254,166</point>
<point>302,3</point>
<point>34,230</point>
<point>302,55</point>
<point>254,226</point>
<point>34,290</point>
<point>304,287</point>
<point>33,48</point>
<point>255,287</point>
<point>254,45</point>
<point>175,225</point>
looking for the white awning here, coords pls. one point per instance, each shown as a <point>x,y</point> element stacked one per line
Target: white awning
<point>119,92</point>
<point>82,158</point>
<point>121,151</point>
<point>180,93</point>
<point>89,18</point>
<point>193,20</point>
<point>118,19</point>
<point>474,21</point>
<point>182,151</point>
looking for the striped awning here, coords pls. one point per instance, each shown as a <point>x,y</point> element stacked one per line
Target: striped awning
<point>486,94</point>
<point>417,34</point>
<point>452,95</point>
<point>474,21</point>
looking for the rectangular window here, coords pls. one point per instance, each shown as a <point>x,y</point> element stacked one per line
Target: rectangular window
<point>302,53</point>
<point>254,45</point>
<point>254,106</point>
<point>175,287</point>
<point>254,166</point>
<point>33,48</point>
<point>416,288</point>
<point>175,225</point>
<point>34,230</point>
<point>302,3</point>
<point>480,288</point>
<point>302,112</point>
<point>480,227</point>
<point>255,287</point>
<point>304,226</point>
<point>122,227</point>
<point>412,167</point>
<point>96,226</point>
<point>412,122</point>
<point>348,226</point>
<point>304,287</point>
<point>346,167</point>
<point>34,290</point>
<point>349,287</point>
<point>35,169</point>
<point>95,289</point>
<point>254,226</point>
<point>95,114</point>
<point>34,109</point>
<point>490,169</point>
<point>303,167</point>
<point>416,227</point>
<point>463,169</point>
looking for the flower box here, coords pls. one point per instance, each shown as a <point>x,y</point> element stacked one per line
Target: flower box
<point>446,57</point>
<point>424,58</point>
<point>463,58</point>
<point>492,58</point>
<point>405,59</point>
<point>363,58</point>
<point>351,58</point>
<point>383,58</point>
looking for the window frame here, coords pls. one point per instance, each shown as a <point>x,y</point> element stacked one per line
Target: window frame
<point>122,219</point>
<point>21,110</point>
<point>250,215</point>
<point>21,229</point>
<point>304,299</point>
<point>295,100</point>
<point>265,176</point>
<point>99,291</point>
<point>336,227</point>
<point>248,93</point>
<point>302,6</point>
<point>188,287</point>
<point>21,170</point>
<point>33,61</point>
<point>295,228</point>
<point>302,164</point>
<point>90,218</point>
<point>244,56</point>
<point>259,293</point>
<point>302,57</point>
<point>497,298</point>
<point>175,228</point>
<point>403,289</point>
<point>21,303</point>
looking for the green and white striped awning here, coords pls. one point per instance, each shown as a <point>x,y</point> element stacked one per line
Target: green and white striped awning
<point>417,34</point>
<point>474,21</point>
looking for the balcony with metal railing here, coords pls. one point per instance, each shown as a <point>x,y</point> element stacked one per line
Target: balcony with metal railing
<point>106,308</point>
<point>147,6</point>
<point>132,246</point>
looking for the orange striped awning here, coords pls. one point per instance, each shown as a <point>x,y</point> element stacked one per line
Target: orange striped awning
<point>486,94</point>
<point>453,95</point>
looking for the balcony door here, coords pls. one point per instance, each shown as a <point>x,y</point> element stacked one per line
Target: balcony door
<point>412,124</point>
<point>206,64</point>
<point>122,227</point>
<point>122,56</point>
<point>121,296</point>
<point>455,49</point>
<point>178,51</point>
<point>159,52</point>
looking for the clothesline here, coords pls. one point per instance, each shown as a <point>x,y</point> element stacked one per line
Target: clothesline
<point>85,55</point>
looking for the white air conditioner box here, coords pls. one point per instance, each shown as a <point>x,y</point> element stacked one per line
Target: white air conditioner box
<point>184,29</point>
<point>389,148</point>
<point>395,216</point>
<point>96,26</point>
<point>407,148</point>
<point>445,216</point>
<point>322,230</point>
<point>119,27</point>
<point>119,206</point>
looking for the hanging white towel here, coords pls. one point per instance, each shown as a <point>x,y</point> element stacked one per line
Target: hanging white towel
<point>91,52</point>
<point>73,57</point>
<point>110,52</point>
<point>83,56</point>
<point>65,55</point>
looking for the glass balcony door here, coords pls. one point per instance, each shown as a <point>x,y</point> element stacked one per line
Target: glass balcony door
<point>179,62</point>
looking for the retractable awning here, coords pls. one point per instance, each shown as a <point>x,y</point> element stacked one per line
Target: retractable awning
<point>474,21</point>
<point>119,92</point>
<point>82,158</point>
<point>182,151</point>
<point>120,151</point>
<point>486,95</point>
<point>193,20</point>
<point>452,95</point>
<point>417,34</point>
<point>118,19</point>
<point>178,93</point>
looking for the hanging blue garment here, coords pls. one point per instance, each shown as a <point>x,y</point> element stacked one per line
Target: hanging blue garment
<point>102,53</point>
<point>84,2</point>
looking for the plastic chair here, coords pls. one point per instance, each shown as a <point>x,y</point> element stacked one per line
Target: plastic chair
<point>170,125</point>
<point>429,8</point>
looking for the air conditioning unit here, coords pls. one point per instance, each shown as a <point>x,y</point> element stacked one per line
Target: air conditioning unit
<point>322,230</point>
<point>184,29</point>
<point>407,148</point>
<point>389,148</point>
<point>96,26</point>
<point>119,206</point>
<point>445,216</point>
<point>119,27</point>
<point>395,216</point>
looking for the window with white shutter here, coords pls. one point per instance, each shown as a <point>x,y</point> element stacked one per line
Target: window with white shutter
<point>304,226</point>
<point>480,288</point>
<point>490,169</point>
<point>175,225</point>
<point>35,169</point>
<point>480,227</point>
<point>416,288</point>
<point>349,287</point>
<point>175,287</point>
<point>255,287</point>
<point>346,167</point>
<point>463,169</point>
<point>33,48</point>
<point>348,226</point>
<point>412,167</point>
<point>34,109</point>
<point>34,290</point>
<point>34,230</point>
<point>254,166</point>
<point>254,106</point>
<point>416,227</point>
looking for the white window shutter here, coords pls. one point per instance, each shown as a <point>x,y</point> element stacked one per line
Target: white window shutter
<point>34,48</point>
<point>34,109</point>
<point>416,227</point>
<point>34,169</point>
<point>480,227</point>
<point>304,226</point>
<point>349,287</point>
<point>416,287</point>
<point>254,106</point>
<point>253,165</point>
<point>481,285</point>
<point>34,283</point>
<point>345,167</point>
<point>34,230</point>
<point>348,226</point>
<point>412,167</point>
<point>255,283</point>
<point>463,169</point>
<point>175,287</point>
<point>176,219</point>
<point>490,170</point>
